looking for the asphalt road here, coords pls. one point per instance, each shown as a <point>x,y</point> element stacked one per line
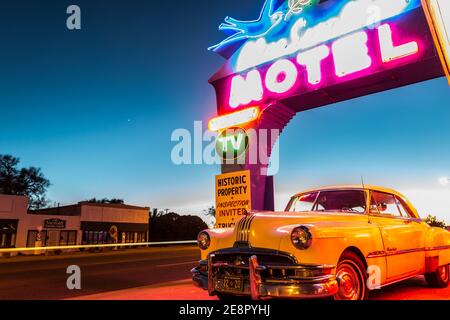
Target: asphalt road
<point>45,278</point>
<point>145,274</point>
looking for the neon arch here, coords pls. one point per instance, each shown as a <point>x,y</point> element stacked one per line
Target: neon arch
<point>319,56</point>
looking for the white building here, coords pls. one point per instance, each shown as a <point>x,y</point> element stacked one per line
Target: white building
<point>82,223</point>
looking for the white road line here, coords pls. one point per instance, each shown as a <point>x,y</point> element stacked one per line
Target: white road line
<point>175,264</point>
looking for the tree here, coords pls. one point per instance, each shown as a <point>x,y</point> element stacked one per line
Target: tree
<point>105,201</point>
<point>434,222</point>
<point>210,212</point>
<point>29,182</point>
<point>173,227</point>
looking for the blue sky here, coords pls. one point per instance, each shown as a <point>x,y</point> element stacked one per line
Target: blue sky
<point>95,109</point>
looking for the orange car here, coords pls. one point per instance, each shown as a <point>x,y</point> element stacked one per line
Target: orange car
<point>336,242</point>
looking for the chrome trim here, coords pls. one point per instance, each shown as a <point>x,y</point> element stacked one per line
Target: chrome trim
<point>243,228</point>
<point>255,278</point>
<point>239,228</point>
<point>437,248</point>
<point>256,251</point>
<point>301,291</point>
<point>378,254</point>
<point>323,285</point>
<point>393,252</point>
<point>211,288</point>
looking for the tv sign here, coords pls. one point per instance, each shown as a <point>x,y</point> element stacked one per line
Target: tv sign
<point>306,54</point>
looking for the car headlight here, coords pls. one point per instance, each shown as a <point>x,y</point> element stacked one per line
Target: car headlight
<point>301,238</point>
<point>203,240</point>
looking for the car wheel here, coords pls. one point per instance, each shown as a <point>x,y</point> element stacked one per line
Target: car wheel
<point>440,278</point>
<point>351,276</point>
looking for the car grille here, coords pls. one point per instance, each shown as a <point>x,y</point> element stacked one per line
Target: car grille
<point>235,262</point>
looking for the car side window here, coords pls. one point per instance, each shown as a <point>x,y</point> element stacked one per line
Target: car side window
<point>385,204</point>
<point>402,207</point>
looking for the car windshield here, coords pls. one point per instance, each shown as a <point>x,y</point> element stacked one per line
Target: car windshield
<point>351,201</point>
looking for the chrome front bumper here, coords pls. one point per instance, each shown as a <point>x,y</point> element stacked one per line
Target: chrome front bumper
<point>258,286</point>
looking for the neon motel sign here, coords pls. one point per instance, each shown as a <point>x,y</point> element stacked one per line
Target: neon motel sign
<point>340,49</point>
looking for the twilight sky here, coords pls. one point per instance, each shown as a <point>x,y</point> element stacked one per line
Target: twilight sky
<point>95,109</point>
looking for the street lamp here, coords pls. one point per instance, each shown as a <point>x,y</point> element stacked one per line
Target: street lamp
<point>444,181</point>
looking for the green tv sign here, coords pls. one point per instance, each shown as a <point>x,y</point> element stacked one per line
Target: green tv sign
<point>232,143</point>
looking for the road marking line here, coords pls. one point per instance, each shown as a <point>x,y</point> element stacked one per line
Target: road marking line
<point>175,264</point>
<point>94,246</point>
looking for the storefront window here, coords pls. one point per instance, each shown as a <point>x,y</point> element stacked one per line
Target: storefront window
<point>68,238</point>
<point>63,238</point>
<point>33,238</point>
<point>104,237</point>
<point>8,235</point>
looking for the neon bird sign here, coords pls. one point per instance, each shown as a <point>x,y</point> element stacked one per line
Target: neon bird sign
<point>270,21</point>
<point>299,48</point>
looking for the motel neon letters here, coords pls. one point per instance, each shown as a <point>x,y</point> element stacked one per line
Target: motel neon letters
<point>349,56</point>
<point>330,51</point>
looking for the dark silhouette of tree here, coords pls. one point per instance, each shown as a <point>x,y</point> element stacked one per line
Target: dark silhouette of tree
<point>210,212</point>
<point>174,227</point>
<point>105,201</point>
<point>29,182</point>
<point>434,222</point>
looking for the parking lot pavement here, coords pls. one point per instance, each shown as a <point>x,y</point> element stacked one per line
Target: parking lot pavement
<point>413,289</point>
<point>178,290</point>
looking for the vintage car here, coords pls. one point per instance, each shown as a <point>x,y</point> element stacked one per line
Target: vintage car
<point>339,242</point>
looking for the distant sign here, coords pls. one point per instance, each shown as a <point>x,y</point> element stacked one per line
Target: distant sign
<point>438,15</point>
<point>54,224</point>
<point>114,233</point>
<point>233,198</point>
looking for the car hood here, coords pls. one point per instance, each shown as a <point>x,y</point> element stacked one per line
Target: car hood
<point>270,229</point>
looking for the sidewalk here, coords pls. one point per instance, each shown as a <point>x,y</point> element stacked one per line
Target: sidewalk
<point>87,254</point>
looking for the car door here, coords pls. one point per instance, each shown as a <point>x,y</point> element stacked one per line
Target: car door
<point>403,236</point>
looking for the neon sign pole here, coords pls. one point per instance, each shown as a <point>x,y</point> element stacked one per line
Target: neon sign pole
<point>302,54</point>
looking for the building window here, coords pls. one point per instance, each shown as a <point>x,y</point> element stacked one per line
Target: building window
<point>33,238</point>
<point>8,232</point>
<point>68,238</point>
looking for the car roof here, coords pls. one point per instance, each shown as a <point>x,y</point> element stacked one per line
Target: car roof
<point>360,187</point>
<point>352,187</point>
